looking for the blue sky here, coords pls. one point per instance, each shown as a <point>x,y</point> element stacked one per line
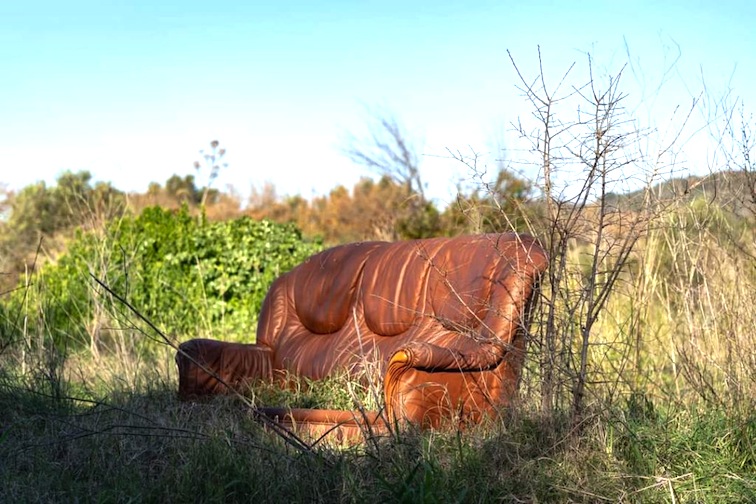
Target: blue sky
<point>131,91</point>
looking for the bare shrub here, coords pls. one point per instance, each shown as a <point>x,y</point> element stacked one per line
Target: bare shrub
<point>618,290</point>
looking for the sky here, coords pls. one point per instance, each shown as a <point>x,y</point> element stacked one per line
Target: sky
<point>133,90</point>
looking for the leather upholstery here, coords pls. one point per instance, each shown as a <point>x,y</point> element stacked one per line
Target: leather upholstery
<point>445,318</point>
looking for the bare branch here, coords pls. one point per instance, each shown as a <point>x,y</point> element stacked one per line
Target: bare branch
<point>388,152</point>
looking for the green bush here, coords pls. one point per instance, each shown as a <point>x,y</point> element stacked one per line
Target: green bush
<point>189,276</point>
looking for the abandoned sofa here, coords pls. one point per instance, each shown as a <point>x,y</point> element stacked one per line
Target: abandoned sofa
<point>444,319</point>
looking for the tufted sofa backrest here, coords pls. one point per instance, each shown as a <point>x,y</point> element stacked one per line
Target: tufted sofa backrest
<point>369,299</point>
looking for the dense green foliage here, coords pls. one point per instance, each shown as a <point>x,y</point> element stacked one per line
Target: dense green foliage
<point>187,275</point>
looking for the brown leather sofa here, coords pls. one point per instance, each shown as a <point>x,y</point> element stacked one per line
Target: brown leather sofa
<point>444,319</point>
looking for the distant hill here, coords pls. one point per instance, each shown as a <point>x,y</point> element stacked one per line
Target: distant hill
<point>732,190</point>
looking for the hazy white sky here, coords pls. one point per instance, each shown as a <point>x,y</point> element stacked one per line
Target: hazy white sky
<point>132,90</point>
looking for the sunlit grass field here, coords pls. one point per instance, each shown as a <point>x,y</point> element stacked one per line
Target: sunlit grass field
<point>668,414</point>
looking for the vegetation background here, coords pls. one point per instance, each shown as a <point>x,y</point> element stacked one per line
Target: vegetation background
<point>640,379</point>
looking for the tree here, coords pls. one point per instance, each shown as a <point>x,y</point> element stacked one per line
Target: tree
<point>370,211</point>
<point>183,189</point>
<point>41,215</point>
<point>490,207</point>
<point>387,152</point>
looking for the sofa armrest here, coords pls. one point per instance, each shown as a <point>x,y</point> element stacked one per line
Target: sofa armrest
<point>425,383</point>
<point>215,367</point>
<point>487,354</point>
